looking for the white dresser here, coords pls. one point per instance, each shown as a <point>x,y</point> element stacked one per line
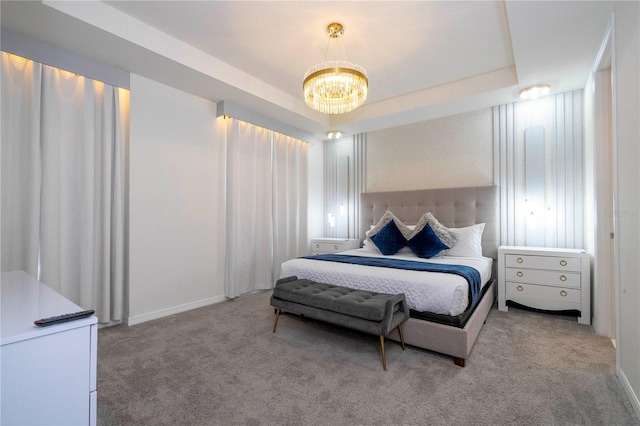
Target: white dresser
<point>545,278</point>
<point>333,245</point>
<point>48,373</point>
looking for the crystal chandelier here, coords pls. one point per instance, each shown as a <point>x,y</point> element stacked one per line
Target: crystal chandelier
<point>337,86</point>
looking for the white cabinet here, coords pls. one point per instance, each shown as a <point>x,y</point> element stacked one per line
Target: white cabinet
<point>545,278</point>
<point>48,373</point>
<point>333,245</point>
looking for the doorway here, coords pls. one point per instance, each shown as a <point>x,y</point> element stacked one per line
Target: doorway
<point>605,319</point>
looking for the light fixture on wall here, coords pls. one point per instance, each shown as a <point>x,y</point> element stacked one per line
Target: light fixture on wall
<point>534,92</point>
<point>334,134</point>
<point>331,219</point>
<point>335,86</point>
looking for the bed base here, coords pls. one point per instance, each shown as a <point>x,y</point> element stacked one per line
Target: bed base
<point>445,339</point>
<point>454,208</point>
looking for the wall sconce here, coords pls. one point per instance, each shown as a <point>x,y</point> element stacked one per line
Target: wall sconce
<point>332,220</point>
<point>531,212</point>
<point>535,185</point>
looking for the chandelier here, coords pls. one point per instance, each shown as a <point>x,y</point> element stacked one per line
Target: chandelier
<point>337,86</point>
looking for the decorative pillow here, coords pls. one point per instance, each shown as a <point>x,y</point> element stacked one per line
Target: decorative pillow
<point>389,239</point>
<point>384,220</point>
<point>468,241</point>
<point>425,243</point>
<point>388,216</point>
<point>441,231</point>
<point>409,229</point>
<point>369,245</point>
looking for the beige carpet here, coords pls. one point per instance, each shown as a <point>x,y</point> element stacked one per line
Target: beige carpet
<point>222,365</point>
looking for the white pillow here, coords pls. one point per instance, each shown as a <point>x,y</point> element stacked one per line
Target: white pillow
<point>367,243</point>
<point>468,241</point>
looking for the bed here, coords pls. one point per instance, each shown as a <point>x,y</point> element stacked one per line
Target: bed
<point>445,318</point>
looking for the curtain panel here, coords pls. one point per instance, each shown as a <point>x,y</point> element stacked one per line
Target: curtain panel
<point>21,171</point>
<point>539,167</point>
<point>290,201</point>
<point>266,205</point>
<point>64,142</point>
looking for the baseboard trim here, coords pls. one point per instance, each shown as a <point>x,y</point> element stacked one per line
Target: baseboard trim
<point>138,319</point>
<point>633,398</point>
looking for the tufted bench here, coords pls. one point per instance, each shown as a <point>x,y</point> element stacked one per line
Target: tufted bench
<point>362,310</point>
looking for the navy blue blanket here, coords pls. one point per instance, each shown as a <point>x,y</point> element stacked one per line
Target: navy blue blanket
<point>472,275</point>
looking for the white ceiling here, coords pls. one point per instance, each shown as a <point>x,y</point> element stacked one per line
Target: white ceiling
<point>425,59</point>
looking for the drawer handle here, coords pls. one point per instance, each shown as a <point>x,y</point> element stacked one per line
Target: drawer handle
<point>519,273</point>
<point>563,293</point>
<point>335,247</point>
<point>563,262</point>
<point>317,245</point>
<point>519,260</point>
<point>563,277</point>
<point>520,288</point>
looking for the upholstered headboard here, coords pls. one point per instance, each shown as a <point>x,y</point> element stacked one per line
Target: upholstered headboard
<point>453,207</point>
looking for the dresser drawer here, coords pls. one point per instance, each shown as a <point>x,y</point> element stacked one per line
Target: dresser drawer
<point>543,297</point>
<point>327,247</point>
<point>549,278</point>
<point>543,262</point>
<point>333,245</point>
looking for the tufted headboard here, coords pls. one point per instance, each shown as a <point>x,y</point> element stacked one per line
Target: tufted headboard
<point>453,207</point>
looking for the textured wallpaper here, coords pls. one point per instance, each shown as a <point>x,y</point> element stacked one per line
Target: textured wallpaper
<point>448,152</point>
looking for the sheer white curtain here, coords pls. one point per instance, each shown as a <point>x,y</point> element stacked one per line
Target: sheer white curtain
<point>266,205</point>
<point>289,200</point>
<point>78,169</point>
<point>20,153</point>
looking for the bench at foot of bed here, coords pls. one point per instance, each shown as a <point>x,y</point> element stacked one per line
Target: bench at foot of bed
<point>361,310</point>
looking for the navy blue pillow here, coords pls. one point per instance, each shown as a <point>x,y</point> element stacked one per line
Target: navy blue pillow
<point>426,243</point>
<point>389,239</point>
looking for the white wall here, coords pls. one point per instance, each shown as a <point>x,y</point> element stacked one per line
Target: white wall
<point>455,151</point>
<point>176,245</point>
<point>626,69</point>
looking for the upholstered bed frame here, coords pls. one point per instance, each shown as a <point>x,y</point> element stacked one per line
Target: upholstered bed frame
<point>454,208</point>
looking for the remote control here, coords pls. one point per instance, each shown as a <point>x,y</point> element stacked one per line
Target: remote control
<point>44,322</point>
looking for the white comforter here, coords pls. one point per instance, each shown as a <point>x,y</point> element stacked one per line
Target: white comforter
<point>436,292</point>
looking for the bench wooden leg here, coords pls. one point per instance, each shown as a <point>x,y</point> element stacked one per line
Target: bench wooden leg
<point>401,336</point>
<point>275,324</point>
<point>384,357</point>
